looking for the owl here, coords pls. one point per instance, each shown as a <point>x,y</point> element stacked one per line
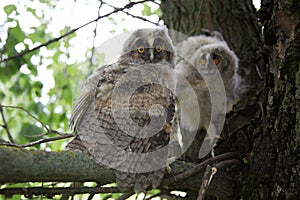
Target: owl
<point>124,116</point>
<point>210,68</point>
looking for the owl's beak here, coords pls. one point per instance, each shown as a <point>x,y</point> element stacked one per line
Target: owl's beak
<point>210,68</point>
<point>151,52</point>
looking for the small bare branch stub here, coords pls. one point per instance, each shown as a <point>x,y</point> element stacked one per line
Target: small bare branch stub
<point>207,177</point>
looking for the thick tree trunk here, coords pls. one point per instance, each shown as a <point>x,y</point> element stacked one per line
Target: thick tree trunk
<point>265,126</point>
<point>275,159</point>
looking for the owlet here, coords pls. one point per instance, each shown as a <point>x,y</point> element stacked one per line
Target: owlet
<point>124,116</point>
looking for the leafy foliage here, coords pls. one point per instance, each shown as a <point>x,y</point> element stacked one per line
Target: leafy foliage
<point>38,82</point>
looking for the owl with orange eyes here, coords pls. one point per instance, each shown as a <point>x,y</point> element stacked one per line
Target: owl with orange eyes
<point>124,115</point>
<point>210,68</point>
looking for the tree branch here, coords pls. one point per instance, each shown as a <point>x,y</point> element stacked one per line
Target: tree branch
<point>5,126</point>
<point>21,165</point>
<point>201,166</point>
<point>50,192</point>
<point>44,140</point>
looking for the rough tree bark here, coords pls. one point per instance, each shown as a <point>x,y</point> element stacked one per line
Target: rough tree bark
<point>275,160</point>
<point>264,126</point>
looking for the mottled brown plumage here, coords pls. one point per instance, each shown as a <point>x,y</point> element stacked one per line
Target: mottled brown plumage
<point>124,114</point>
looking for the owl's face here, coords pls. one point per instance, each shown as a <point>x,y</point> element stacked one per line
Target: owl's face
<point>148,46</point>
<point>212,58</point>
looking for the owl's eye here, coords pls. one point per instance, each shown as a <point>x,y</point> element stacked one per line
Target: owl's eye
<point>141,49</point>
<point>159,49</point>
<point>216,61</point>
<point>203,61</point>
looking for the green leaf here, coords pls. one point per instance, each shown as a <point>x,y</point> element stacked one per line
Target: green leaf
<point>39,34</point>
<point>37,108</point>
<point>31,10</point>
<point>158,12</point>
<point>9,9</point>
<point>147,10</point>
<point>31,132</point>
<point>37,89</point>
<point>15,36</point>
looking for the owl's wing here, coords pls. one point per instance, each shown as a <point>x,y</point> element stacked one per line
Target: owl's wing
<point>94,86</point>
<point>92,118</point>
<point>85,100</point>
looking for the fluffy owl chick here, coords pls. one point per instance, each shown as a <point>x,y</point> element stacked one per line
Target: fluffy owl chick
<point>211,70</point>
<point>187,48</point>
<point>124,115</point>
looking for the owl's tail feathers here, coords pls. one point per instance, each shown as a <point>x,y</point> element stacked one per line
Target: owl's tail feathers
<point>139,182</point>
<point>148,181</point>
<point>124,181</point>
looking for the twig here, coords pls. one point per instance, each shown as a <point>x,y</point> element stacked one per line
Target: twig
<point>200,167</point>
<point>208,174</point>
<point>50,192</point>
<point>107,197</point>
<point>155,195</point>
<point>192,32</point>
<point>209,20</point>
<point>91,196</point>
<point>134,16</point>
<point>127,6</point>
<point>30,114</point>
<point>139,17</point>
<point>125,196</point>
<point>95,34</point>
<point>155,2</point>
<point>64,136</point>
<point>228,162</point>
<point>35,118</point>
<point>61,136</point>
<point>5,126</point>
